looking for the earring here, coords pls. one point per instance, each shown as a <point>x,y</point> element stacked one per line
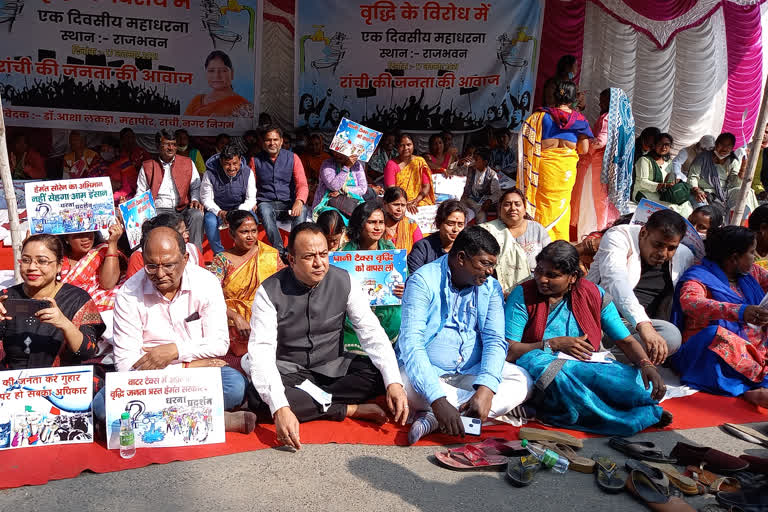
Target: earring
<point>58,276</point>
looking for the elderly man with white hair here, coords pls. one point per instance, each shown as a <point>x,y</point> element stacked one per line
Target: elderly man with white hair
<point>682,162</point>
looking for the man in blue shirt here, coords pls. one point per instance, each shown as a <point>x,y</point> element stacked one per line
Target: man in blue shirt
<point>451,346</point>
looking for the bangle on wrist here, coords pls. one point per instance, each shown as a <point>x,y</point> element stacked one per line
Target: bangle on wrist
<point>644,363</point>
<point>111,256</point>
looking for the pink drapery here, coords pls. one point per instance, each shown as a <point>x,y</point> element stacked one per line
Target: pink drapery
<point>563,33</point>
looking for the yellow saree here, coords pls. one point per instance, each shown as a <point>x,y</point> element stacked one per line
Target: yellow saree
<point>548,178</point>
<point>409,179</point>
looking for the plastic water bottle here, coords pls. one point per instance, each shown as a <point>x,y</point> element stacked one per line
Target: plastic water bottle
<point>548,458</point>
<point>127,442</point>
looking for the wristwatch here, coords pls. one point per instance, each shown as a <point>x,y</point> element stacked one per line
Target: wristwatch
<point>545,345</point>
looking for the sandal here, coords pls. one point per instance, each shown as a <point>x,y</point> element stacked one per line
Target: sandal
<point>521,470</point>
<point>676,478</point>
<point>640,450</point>
<point>745,433</point>
<point>607,475</point>
<point>647,493</point>
<point>655,475</point>
<point>538,434</point>
<point>575,461</point>
<point>713,482</point>
<point>491,453</point>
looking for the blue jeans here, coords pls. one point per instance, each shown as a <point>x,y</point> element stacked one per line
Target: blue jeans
<point>232,382</point>
<point>270,212</point>
<point>211,222</point>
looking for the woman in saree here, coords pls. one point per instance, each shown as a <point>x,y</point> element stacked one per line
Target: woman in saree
<point>411,173</point>
<point>561,312</point>
<point>97,269</point>
<point>604,177</point>
<point>399,229</point>
<point>67,332</point>
<point>438,158</point>
<point>553,139</point>
<point>716,307</point>
<point>241,270</point>
<point>654,174</point>
<point>366,233</point>
<point>341,178</point>
<point>334,228</point>
<point>221,101</point>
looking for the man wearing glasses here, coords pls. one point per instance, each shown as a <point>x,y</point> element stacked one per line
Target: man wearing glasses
<point>451,348</point>
<point>175,185</point>
<point>174,315</point>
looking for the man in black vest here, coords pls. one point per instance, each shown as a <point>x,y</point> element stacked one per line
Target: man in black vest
<point>228,184</point>
<point>296,359</point>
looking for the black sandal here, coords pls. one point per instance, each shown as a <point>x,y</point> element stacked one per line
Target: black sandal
<point>609,476</point>
<point>640,450</point>
<point>521,470</point>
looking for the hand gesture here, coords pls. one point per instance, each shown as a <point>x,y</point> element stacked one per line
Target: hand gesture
<point>222,214</point>
<point>242,326</point>
<point>196,205</point>
<point>448,417</point>
<point>207,363</point>
<point>577,347</point>
<point>115,232</point>
<point>52,315</point>
<point>157,358</point>
<point>398,290</point>
<point>287,428</point>
<point>651,376</point>
<point>352,160</point>
<point>3,311</point>
<point>397,403</point>
<point>756,315</point>
<point>479,406</point>
<point>655,345</point>
<point>412,207</point>
<point>297,207</point>
<point>701,196</point>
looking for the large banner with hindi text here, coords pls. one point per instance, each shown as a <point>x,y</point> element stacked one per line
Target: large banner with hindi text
<point>145,64</point>
<point>418,65</point>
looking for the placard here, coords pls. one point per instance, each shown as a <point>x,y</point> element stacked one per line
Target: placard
<point>425,218</point>
<point>69,206</point>
<point>134,212</point>
<point>46,406</point>
<point>448,187</point>
<point>355,139</point>
<point>378,272</point>
<point>692,240</point>
<point>170,407</point>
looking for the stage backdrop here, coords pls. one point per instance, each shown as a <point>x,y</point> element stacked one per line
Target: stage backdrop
<point>420,65</point>
<point>104,65</point>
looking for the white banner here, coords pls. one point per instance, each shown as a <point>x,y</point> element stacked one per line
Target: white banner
<point>146,64</point>
<point>419,66</point>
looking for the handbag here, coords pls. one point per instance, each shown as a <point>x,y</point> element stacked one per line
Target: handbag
<point>345,204</point>
<point>678,193</point>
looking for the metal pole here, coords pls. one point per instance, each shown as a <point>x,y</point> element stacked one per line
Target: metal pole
<point>10,197</point>
<point>754,153</point>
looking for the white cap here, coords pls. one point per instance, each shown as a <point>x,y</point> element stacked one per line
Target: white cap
<point>707,143</point>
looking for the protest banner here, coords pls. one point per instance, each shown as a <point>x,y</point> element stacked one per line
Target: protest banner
<point>18,189</point>
<point>378,272</point>
<point>355,139</point>
<point>46,406</point>
<point>692,240</point>
<point>448,187</point>
<point>144,64</point>
<point>134,212</point>
<point>170,407</point>
<point>425,218</point>
<point>420,66</point>
<point>69,206</point>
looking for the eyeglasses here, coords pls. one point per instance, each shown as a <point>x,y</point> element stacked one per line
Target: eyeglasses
<point>168,268</point>
<point>40,262</point>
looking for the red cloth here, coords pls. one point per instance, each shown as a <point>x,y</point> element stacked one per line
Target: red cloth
<point>586,304</point>
<point>181,170</point>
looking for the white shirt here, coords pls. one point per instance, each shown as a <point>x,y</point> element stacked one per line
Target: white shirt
<point>617,269</point>
<point>260,361</point>
<point>144,318</point>
<point>208,200</point>
<point>167,195</point>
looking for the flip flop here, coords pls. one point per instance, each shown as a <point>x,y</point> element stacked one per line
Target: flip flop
<point>745,433</point>
<point>521,470</point>
<point>686,484</point>
<point>649,494</point>
<point>608,475</point>
<point>575,461</point>
<point>491,453</point>
<point>713,482</point>
<point>640,450</point>
<point>538,434</point>
<point>655,475</point>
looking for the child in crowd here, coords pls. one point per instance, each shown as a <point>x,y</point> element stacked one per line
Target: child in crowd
<point>482,190</point>
<point>461,166</point>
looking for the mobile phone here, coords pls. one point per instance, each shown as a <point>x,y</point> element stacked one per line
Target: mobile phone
<point>24,308</point>
<point>471,425</point>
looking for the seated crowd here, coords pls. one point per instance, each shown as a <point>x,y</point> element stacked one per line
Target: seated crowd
<point>488,303</point>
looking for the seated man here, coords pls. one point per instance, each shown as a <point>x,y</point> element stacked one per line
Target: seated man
<point>175,185</point>
<point>228,184</point>
<point>174,314</point>
<point>638,266</point>
<point>451,347</point>
<point>296,356</point>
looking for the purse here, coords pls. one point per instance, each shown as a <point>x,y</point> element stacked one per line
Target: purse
<point>678,193</point>
<point>345,204</point>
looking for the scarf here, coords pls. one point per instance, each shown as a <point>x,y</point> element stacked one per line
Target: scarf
<point>709,172</point>
<point>585,305</point>
<point>619,156</point>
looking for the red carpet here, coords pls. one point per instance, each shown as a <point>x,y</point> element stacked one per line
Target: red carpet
<point>35,466</point>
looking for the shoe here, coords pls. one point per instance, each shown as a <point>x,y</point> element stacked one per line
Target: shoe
<point>714,460</point>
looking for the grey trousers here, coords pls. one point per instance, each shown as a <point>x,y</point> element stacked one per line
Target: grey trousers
<point>666,330</point>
